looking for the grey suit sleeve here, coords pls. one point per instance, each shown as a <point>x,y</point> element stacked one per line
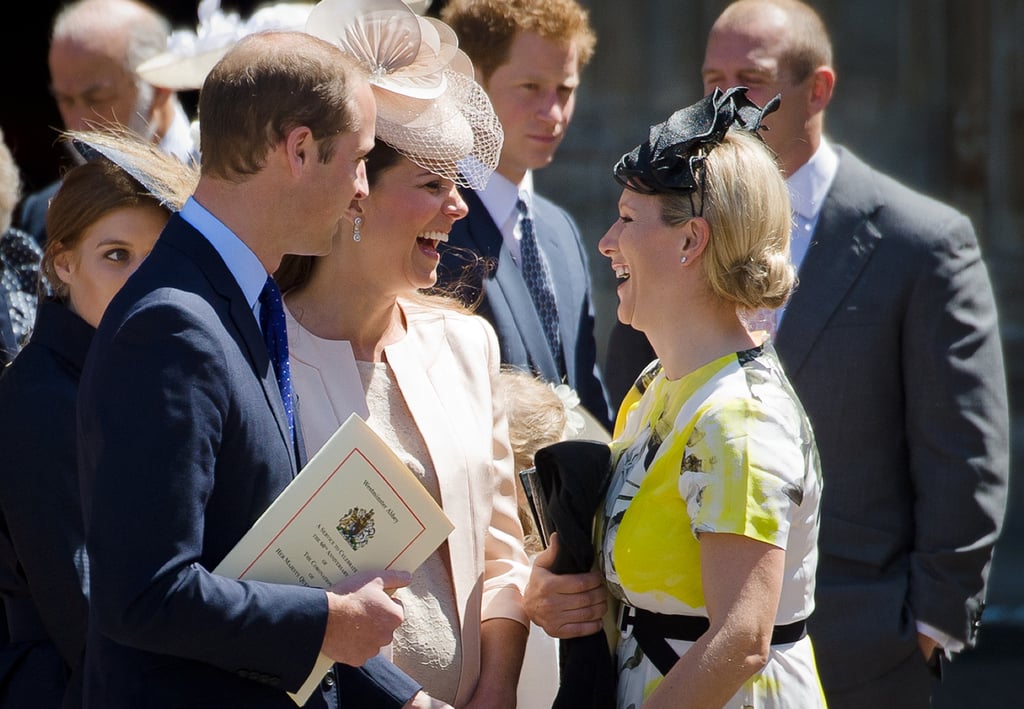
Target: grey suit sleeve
<point>957,431</point>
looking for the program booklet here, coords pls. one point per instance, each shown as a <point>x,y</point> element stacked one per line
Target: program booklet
<point>354,506</point>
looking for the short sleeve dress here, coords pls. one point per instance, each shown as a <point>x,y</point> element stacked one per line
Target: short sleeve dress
<point>726,448</point>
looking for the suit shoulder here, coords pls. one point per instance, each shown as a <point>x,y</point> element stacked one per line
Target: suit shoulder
<point>450,314</point>
<point>901,208</point>
<point>552,210</point>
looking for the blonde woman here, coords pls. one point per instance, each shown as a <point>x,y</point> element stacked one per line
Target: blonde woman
<point>708,533</point>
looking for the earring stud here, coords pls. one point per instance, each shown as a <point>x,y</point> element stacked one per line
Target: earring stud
<point>682,260</point>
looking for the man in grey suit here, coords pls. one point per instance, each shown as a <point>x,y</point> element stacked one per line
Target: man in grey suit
<point>891,341</point>
<point>185,415</point>
<point>528,55</point>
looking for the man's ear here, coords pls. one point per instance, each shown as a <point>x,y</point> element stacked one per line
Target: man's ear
<point>823,81</point>
<point>161,97</point>
<point>300,148</point>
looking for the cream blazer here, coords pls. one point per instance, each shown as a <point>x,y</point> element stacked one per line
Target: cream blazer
<point>447,369</point>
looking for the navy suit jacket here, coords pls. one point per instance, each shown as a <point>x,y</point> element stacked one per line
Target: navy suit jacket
<point>183,443</point>
<point>507,303</point>
<point>8,342</point>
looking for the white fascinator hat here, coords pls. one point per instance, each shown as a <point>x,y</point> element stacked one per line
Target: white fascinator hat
<point>190,55</point>
<point>429,106</point>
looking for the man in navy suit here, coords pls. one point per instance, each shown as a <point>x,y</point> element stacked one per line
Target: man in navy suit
<point>183,432</point>
<point>527,55</point>
<point>891,340</point>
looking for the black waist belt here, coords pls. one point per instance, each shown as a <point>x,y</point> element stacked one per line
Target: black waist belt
<point>652,629</point>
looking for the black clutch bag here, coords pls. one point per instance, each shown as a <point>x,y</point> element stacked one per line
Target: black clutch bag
<point>571,478</point>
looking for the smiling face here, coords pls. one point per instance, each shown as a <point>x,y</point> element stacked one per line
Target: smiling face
<point>644,253</point>
<point>107,254</point>
<point>409,211</point>
<point>534,95</point>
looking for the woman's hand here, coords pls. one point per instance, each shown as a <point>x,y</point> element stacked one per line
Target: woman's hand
<point>564,605</point>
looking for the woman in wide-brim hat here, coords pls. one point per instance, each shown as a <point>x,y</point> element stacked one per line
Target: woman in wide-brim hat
<point>101,224</point>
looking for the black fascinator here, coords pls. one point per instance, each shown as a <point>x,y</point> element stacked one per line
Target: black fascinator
<point>669,161</point>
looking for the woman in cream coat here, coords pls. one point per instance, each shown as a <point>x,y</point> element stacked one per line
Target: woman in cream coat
<point>423,372</point>
<point>363,337</point>
<point>425,376</point>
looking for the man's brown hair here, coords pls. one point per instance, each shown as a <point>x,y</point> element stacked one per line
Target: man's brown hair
<point>268,84</point>
<point>486,28</point>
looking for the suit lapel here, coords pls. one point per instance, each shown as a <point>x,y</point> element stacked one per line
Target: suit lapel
<point>844,240</point>
<point>508,286</point>
<point>194,245</point>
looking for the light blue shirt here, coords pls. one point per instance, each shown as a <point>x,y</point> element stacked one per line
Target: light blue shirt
<point>243,264</point>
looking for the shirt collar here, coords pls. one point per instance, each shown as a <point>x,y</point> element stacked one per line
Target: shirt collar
<point>500,195</point>
<point>809,185</point>
<point>244,265</point>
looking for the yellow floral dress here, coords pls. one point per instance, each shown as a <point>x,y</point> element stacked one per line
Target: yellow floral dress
<point>726,448</point>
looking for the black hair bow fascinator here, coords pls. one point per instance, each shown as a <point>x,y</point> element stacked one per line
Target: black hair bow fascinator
<point>675,149</point>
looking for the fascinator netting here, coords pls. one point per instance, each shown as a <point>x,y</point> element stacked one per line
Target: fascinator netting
<point>429,106</point>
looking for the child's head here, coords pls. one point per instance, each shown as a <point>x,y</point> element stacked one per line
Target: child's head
<point>537,417</point>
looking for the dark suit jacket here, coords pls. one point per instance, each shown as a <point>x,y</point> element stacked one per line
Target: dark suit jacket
<point>507,303</point>
<point>42,566</point>
<point>627,354</point>
<point>32,213</point>
<point>8,342</point>
<point>183,443</point>
<point>892,343</point>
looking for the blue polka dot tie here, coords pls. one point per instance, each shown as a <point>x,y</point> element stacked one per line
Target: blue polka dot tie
<point>538,280</point>
<point>275,334</point>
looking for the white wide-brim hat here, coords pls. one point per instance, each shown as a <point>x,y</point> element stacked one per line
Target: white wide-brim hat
<point>191,55</point>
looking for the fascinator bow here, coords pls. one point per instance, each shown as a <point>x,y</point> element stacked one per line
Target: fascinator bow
<point>670,159</point>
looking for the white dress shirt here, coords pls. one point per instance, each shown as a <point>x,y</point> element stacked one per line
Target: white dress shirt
<point>499,197</point>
